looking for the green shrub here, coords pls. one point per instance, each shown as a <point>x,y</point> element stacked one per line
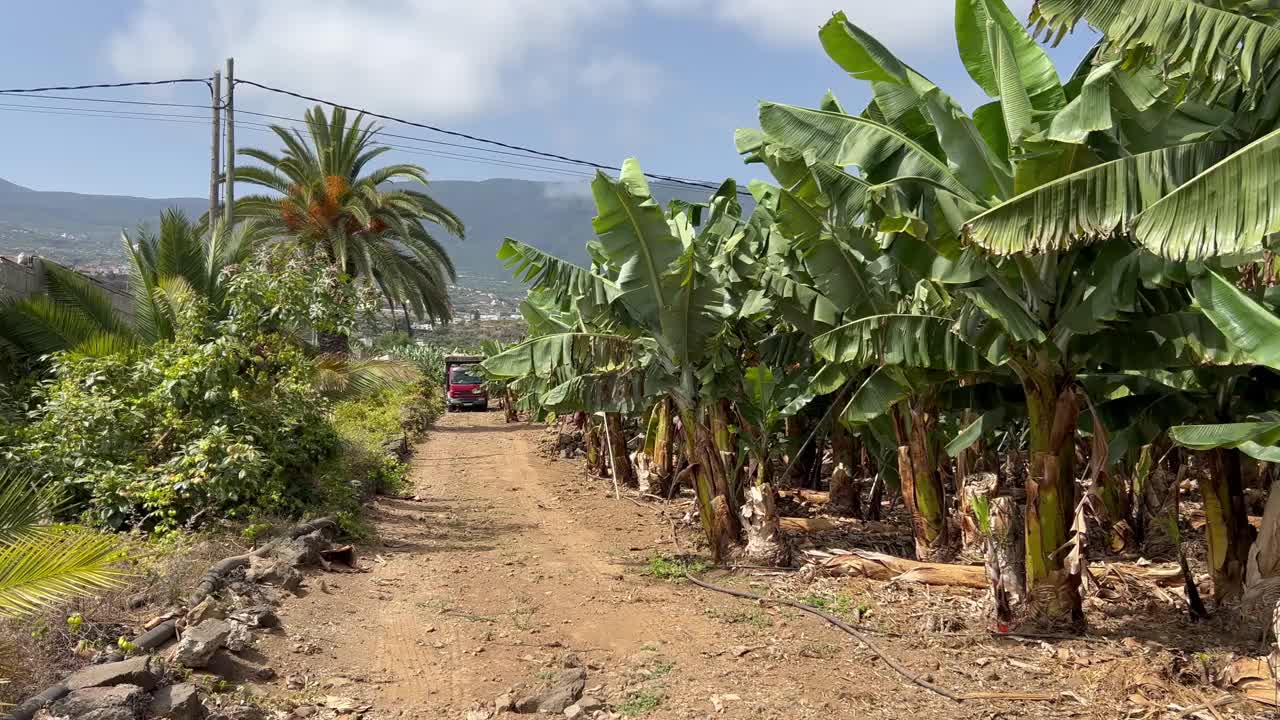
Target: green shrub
<point>366,427</point>
<point>429,359</point>
<point>158,439</point>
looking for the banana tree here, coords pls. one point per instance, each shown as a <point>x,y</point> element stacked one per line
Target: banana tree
<point>1199,183</point>
<point>662,284</point>
<point>1250,326</point>
<point>925,170</point>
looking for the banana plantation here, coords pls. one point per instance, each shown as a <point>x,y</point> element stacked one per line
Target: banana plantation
<point>1038,332</point>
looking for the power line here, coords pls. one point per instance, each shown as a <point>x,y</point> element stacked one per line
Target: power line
<point>98,86</point>
<point>97,111</point>
<point>476,138</point>
<point>113,114</point>
<point>118,116</point>
<point>384,133</point>
<point>529,155</point>
<point>104,100</point>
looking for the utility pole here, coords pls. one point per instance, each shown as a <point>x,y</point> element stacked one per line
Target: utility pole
<point>229,216</point>
<point>215,165</point>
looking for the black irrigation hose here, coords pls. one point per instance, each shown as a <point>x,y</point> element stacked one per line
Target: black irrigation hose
<point>898,667</point>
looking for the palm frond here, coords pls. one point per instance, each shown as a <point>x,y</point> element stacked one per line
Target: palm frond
<point>342,377</point>
<point>38,572</point>
<point>24,506</point>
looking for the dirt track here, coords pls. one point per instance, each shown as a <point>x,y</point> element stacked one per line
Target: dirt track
<point>508,561</point>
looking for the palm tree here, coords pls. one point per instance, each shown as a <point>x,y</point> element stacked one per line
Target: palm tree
<point>324,200</point>
<point>42,564</point>
<point>168,269</point>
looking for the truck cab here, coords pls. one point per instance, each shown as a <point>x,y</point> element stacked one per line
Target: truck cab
<point>464,385</point>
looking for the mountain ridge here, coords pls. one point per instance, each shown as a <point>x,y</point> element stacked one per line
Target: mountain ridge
<point>553,216</point>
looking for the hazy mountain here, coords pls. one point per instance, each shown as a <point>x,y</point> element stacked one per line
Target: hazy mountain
<point>85,229</point>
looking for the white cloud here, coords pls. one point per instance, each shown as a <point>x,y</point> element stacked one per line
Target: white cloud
<point>622,79</point>
<point>430,58</point>
<point>899,24</point>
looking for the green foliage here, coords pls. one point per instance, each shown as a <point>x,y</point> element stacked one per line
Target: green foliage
<point>366,223</point>
<point>673,568</point>
<point>640,702</point>
<point>43,564</point>
<point>428,359</point>
<point>227,427</point>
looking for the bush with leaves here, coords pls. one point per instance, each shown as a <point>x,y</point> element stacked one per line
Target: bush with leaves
<point>225,419</point>
<point>227,426</point>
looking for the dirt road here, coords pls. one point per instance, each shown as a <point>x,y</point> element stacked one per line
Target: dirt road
<point>508,561</point>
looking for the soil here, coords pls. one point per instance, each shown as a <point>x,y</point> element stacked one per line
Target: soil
<point>506,562</point>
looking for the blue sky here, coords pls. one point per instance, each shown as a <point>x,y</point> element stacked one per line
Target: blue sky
<point>666,81</point>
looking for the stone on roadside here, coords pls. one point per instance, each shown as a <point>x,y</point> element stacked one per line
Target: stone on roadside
<point>244,712</point>
<point>142,671</point>
<point>273,572</point>
<point>208,609</point>
<point>301,551</point>
<point>199,643</point>
<point>178,702</point>
<point>257,616</point>
<point>239,639</point>
<point>119,702</point>
<point>555,699</point>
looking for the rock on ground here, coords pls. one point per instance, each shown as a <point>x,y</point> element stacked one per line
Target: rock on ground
<point>256,616</point>
<point>567,689</point>
<point>208,609</point>
<point>301,551</point>
<point>274,572</point>
<point>178,702</point>
<point>119,702</point>
<point>142,671</point>
<point>199,643</point>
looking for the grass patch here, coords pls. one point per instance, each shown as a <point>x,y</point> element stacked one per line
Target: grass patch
<point>754,617</point>
<point>673,568</point>
<point>821,651</point>
<point>641,702</point>
<point>837,604</point>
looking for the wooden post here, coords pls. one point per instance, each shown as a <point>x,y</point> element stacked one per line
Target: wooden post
<point>229,210</point>
<point>215,164</point>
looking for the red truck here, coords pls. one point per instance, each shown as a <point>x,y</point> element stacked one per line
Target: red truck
<point>464,386</point>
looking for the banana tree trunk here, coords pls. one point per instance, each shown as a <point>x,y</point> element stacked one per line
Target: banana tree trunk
<point>875,499</point>
<point>509,406</point>
<point>844,497</point>
<point>801,454</point>
<point>1227,525</point>
<point>922,491</point>
<point>1052,411</point>
<point>592,437</point>
<point>999,526</point>
<point>765,544</point>
<point>719,522</point>
<point>966,464</point>
<point>661,454</point>
<point>619,463</point>
<point>1113,499</point>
